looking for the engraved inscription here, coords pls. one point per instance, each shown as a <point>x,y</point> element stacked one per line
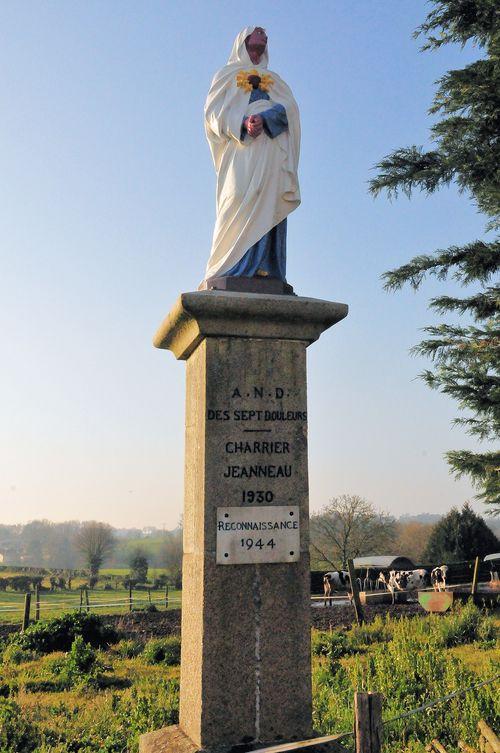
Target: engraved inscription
<point>257,535</point>
<point>262,438</point>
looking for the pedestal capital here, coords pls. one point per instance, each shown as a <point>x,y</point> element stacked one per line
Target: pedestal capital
<point>213,313</point>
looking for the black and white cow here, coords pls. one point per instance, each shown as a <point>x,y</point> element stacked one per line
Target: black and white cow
<point>397,582</point>
<point>335,580</point>
<point>381,583</point>
<point>414,579</point>
<point>370,579</point>
<point>438,577</point>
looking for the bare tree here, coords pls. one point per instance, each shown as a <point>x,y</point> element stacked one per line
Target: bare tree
<point>95,541</point>
<point>171,554</point>
<point>412,537</point>
<point>349,526</point>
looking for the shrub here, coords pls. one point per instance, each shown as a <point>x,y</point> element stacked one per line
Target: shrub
<point>129,649</point>
<point>163,651</point>
<point>464,624</point>
<point>378,631</point>
<point>160,581</point>
<point>58,634</point>
<point>20,582</point>
<point>152,705</point>
<point>332,645</point>
<point>79,668</point>
<point>44,686</point>
<point>15,654</point>
<point>8,688</point>
<point>17,734</point>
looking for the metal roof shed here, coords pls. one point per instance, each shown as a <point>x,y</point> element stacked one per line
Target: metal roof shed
<point>384,562</point>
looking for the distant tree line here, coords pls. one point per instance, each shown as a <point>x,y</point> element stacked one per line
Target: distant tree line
<point>58,550</point>
<point>350,526</point>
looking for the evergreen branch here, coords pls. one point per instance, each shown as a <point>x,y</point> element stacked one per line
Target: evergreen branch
<point>477,427</point>
<point>410,168</point>
<point>483,470</point>
<point>476,261</point>
<point>482,305</point>
<point>482,397</point>
<point>460,21</point>
<point>475,349</point>
<point>473,89</point>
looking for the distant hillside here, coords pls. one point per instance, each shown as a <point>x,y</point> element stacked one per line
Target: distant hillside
<point>423,517</point>
<point>42,543</point>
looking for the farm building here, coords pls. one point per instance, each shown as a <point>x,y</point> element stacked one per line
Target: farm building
<point>383,562</point>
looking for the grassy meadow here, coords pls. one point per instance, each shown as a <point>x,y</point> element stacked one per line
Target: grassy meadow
<point>109,596</point>
<point>99,693</point>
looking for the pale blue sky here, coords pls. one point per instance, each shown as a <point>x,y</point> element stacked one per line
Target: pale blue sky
<point>107,210</point>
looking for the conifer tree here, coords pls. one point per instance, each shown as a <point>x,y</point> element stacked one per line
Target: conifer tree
<point>467,152</point>
<point>460,535</point>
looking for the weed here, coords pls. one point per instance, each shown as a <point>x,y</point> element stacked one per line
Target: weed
<point>163,651</point>
<point>14,654</point>
<point>129,649</point>
<point>17,734</point>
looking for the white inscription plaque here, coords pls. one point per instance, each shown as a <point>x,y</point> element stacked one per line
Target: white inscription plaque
<point>250,535</point>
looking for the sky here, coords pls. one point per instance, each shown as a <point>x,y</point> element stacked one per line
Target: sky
<point>107,206</point>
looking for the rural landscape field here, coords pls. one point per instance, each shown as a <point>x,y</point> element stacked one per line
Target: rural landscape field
<point>250,389</point>
<point>84,684</point>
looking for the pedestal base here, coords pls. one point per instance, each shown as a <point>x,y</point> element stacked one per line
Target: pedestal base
<point>246,646</point>
<point>265,285</point>
<point>167,740</point>
<point>173,740</point>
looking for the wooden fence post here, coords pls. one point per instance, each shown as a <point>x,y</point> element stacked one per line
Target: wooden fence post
<point>26,615</point>
<point>149,595</point>
<point>473,588</point>
<point>368,722</point>
<point>87,600</point>
<point>355,593</point>
<point>490,736</point>
<point>130,598</point>
<point>81,600</point>
<point>166,596</point>
<point>37,603</point>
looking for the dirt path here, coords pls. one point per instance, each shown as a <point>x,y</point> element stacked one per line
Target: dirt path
<point>145,625</point>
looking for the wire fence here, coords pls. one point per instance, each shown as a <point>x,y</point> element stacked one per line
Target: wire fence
<point>42,607</point>
<point>443,699</point>
<point>325,739</point>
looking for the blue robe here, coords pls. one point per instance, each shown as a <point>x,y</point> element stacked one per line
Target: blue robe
<point>269,253</point>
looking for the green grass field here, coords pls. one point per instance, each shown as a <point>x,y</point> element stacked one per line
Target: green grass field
<point>133,690</point>
<point>53,604</point>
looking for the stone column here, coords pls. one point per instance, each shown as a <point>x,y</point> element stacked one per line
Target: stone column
<point>245,664</point>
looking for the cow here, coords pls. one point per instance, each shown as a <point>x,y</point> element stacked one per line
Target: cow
<point>381,582</point>
<point>416,579</point>
<point>335,580</point>
<point>398,581</point>
<point>370,579</point>
<point>438,577</point>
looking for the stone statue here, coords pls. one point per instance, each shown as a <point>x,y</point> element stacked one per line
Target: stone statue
<point>253,129</point>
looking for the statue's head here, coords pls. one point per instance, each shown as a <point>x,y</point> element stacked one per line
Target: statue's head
<point>256,44</point>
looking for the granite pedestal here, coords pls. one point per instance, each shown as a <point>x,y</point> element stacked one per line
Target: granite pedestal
<point>245,664</point>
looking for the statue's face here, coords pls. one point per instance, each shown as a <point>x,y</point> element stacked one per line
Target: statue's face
<point>256,44</point>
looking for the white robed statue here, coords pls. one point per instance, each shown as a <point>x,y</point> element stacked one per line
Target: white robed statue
<point>253,129</point>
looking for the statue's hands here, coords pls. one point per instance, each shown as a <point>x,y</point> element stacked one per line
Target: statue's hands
<point>254,125</point>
